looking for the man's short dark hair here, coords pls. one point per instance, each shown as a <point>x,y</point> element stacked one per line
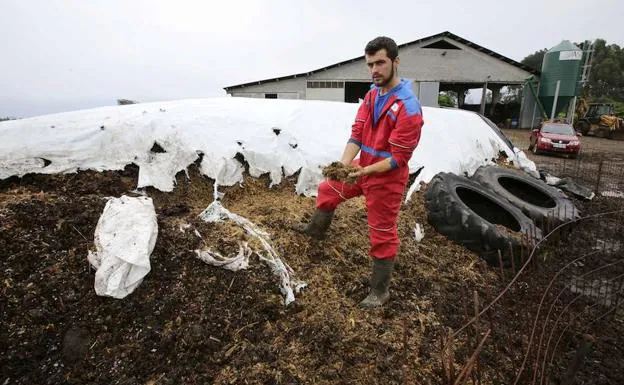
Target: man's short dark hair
<point>380,43</point>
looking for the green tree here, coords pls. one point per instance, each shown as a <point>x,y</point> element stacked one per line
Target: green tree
<point>606,77</point>
<point>511,94</point>
<point>535,59</point>
<point>447,99</point>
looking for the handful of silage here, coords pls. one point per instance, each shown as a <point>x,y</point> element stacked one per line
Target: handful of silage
<point>340,172</point>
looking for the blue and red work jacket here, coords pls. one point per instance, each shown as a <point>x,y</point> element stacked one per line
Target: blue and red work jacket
<point>394,135</point>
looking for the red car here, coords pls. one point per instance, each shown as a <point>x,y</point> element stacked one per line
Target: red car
<point>555,138</point>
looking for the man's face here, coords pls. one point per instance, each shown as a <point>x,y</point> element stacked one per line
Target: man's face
<point>381,67</point>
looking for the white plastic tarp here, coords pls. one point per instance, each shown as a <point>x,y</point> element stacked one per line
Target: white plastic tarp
<point>277,137</point>
<point>124,240</point>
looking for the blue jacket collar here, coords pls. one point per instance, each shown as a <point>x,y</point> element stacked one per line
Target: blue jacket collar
<point>401,90</point>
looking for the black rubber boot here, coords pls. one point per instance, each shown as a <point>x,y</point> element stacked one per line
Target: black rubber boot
<point>319,223</point>
<point>380,281</point>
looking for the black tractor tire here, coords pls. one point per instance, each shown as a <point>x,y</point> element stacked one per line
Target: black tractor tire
<point>476,218</point>
<point>544,204</point>
<point>609,133</point>
<point>584,127</point>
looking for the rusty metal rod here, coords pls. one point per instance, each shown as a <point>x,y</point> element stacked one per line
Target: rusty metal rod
<point>557,321</point>
<point>451,357</point>
<point>463,375</point>
<point>500,265</point>
<point>596,190</point>
<point>552,356</point>
<point>577,361</point>
<point>552,281</point>
<point>513,259</point>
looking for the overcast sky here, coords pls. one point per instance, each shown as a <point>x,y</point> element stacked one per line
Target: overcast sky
<point>61,55</point>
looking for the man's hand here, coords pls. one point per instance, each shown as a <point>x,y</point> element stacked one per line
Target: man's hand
<point>375,168</point>
<point>361,171</point>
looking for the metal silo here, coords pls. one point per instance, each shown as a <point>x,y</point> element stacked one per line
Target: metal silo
<point>561,70</point>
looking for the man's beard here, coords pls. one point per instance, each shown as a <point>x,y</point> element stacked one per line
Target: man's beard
<point>387,80</point>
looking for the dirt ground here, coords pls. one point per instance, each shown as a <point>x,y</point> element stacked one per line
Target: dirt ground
<point>189,322</point>
<point>192,323</point>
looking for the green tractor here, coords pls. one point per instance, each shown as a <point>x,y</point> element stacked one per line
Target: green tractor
<point>599,119</point>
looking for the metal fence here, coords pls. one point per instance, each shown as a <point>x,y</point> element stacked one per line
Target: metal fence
<point>558,317</point>
<point>603,173</point>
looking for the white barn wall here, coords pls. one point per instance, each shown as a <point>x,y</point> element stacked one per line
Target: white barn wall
<point>248,94</point>
<point>289,95</point>
<point>355,71</point>
<point>465,65</point>
<point>331,94</point>
<point>289,86</point>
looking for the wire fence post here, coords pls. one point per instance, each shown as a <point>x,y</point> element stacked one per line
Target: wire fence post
<point>599,175</point>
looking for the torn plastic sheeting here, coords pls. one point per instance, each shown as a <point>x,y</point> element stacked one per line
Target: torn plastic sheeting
<point>419,232</point>
<point>277,137</point>
<point>276,154</point>
<point>309,179</point>
<point>225,171</point>
<point>551,180</point>
<point>159,169</point>
<point>215,212</point>
<point>236,263</point>
<point>576,189</point>
<point>525,164</point>
<point>124,240</point>
<point>568,185</point>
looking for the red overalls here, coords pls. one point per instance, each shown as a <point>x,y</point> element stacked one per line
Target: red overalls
<point>395,135</point>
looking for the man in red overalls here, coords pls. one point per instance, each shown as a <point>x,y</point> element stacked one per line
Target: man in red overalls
<point>386,131</point>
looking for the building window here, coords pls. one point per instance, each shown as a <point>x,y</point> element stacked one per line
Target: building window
<point>270,96</point>
<point>325,84</point>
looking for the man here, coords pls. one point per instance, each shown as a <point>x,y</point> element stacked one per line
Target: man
<point>386,131</point>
